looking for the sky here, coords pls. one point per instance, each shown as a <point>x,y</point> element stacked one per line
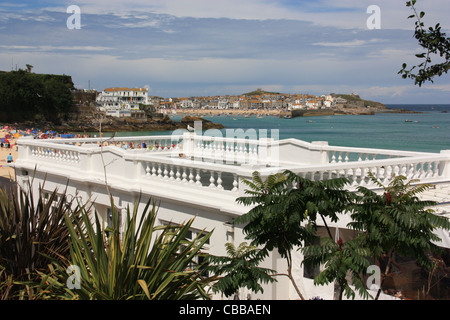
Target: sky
<point>182,48</point>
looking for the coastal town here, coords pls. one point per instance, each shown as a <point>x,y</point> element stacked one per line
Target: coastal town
<point>136,103</point>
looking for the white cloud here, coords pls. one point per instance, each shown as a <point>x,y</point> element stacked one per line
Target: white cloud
<point>353,43</point>
<point>49,48</point>
<point>139,43</point>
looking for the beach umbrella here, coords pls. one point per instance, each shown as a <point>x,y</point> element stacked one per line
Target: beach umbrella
<point>16,135</point>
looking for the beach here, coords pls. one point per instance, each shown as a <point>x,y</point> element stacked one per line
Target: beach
<point>231,112</point>
<point>6,170</point>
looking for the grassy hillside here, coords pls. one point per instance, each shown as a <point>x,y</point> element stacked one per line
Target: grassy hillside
<point>352,98</point>
<point>259,92</point>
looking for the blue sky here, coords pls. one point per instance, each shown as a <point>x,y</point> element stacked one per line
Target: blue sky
<point>211,47</point>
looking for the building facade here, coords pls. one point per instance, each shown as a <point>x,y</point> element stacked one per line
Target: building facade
<point>122,102</point>
<point>190,175</point>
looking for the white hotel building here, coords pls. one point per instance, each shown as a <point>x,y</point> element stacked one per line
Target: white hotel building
<point>121,102</point>
<point>191,175</point>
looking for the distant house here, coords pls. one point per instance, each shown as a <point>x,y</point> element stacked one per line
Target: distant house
<point>340,101</point>
<point>120,102</point>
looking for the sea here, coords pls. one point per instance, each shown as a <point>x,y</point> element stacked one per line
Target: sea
<point>428,130</point>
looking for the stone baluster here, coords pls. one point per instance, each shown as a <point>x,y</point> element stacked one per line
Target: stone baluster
<point>197,178</point>
<point>184,175</point>
<point>219,181</point>
<point>211,179</point>
<point>171,173</point>
<point>235,183</point>
<point>178,174</point>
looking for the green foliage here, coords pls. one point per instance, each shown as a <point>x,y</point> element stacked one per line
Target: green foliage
<point>277,219</point>
<point>397,221</point>
<point>341,261</point>
<point>32,232</point>
<point>144,262</point>
<point>287,208</point>
<point>26,96</point>
<point>239,269</point>
<point>285,211</point>
<point>435,44</point>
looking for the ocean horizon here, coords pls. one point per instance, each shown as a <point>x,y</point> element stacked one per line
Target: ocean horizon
<point>426,131</point>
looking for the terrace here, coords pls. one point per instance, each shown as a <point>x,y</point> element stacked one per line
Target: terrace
<point>189,163</point>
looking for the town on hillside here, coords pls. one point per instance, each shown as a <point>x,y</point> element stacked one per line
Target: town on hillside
<point>137,103</point>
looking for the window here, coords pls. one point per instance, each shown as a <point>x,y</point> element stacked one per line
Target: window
<point>311,271</point>
<point>191,235</point>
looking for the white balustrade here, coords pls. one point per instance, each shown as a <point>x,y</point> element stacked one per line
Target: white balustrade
<point>218,164</point>
<point>218,177</point>
<point>56,153</point>
<point>424,169</point>
<point>226,150</point>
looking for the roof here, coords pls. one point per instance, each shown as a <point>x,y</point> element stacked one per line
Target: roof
<point>125,89</point>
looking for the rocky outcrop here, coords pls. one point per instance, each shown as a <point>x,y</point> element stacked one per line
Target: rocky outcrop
<point>113,124</point>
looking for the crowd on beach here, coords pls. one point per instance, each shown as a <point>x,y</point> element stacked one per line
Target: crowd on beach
<point>8,145</point>
<point>8,152</point>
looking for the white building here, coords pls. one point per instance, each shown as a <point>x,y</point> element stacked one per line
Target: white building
<point>201,176</point>
<point>119,102</point>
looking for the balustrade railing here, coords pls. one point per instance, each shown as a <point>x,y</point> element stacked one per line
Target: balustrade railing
<point>346,154</point>
<point>220,163</point>
<point>423,169</point>
<point>144,143</point>
<point>68,154</point>
<point>193,173</point>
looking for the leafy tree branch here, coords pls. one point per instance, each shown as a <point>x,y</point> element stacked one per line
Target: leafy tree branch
<point>435,44</point>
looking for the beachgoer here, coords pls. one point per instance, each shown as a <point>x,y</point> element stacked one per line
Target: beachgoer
<point>9,159</point>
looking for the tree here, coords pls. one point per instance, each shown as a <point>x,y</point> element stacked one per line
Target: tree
<point>343,261</point>
<point>284,217</point>
<point>26,96</point>
<point>239,269</point>
<point>287,209</point>
<point>397,222</point>
<point>435,43</point>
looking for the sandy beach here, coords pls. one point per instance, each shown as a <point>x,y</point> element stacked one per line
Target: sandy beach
<point>231,112</point>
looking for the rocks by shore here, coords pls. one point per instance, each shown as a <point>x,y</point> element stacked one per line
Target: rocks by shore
<point>294,113</point>
<point>116,125</point>
<point>112,124</point>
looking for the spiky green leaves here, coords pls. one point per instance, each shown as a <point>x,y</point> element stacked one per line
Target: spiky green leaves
<point>145,261</point>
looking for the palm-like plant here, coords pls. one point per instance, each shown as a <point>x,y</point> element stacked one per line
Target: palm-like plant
<point>342,261</point>
<point>285,209</point>
<point>32,231</point>
<point>144,261</point>
<point>240,268</point>
<point>397,222</point>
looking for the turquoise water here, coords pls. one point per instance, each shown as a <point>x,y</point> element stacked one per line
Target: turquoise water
<point>428,131</point>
